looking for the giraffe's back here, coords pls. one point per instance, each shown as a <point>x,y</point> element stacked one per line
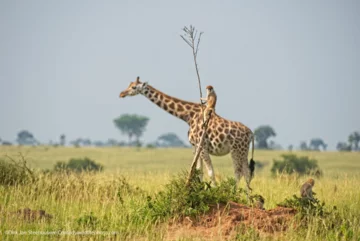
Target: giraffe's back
<point>222,135</point>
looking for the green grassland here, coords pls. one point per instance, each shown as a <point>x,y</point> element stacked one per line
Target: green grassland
<point>68,198</point>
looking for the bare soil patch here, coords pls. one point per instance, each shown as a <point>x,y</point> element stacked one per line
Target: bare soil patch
<point>224,221</point>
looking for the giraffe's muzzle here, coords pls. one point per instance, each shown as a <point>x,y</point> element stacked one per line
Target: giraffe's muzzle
<point>123,94</point>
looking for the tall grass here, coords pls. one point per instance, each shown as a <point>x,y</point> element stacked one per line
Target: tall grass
<point>111,201</point>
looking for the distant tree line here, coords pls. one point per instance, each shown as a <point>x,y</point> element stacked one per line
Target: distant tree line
<point>352,144</point>
<point>134,126</point>
<point>315,144</point>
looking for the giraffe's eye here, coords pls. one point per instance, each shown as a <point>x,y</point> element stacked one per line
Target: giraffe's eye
<point>134,87</point>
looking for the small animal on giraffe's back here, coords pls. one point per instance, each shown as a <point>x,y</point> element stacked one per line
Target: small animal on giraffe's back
<point>306,189</point>
<point>210,100</point>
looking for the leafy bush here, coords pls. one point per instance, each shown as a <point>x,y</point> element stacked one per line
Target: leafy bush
<point>293,164</point>
<point>259,165</point>
<point>310,211</point>
<point>304,206</point>
<point>14,172</point>
<point>178,200</point>
<point>88,220</point>
<point>78,165</point>
<point>125,189</point>
<point>150,146</point>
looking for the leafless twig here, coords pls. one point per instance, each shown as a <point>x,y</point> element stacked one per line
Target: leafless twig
<point>190,37</point>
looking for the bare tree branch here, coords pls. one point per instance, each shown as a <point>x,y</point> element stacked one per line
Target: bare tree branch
<point>190,35</point>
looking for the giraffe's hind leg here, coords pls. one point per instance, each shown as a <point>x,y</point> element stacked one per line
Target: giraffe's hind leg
<point>241,167</point>
<point>236,157</point>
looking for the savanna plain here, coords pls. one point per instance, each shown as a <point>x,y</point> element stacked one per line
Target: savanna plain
<point>108,205</point>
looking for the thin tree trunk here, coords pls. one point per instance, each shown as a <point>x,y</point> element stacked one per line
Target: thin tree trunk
<point>197,154</point>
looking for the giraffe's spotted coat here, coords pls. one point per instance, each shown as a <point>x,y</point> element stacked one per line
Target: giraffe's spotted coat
<point>222,136</point>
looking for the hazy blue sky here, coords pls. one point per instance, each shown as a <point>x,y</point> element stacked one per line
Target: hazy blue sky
<point>292,65</point>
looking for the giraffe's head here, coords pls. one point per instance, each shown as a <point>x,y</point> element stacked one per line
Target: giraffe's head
<point>134,88</point>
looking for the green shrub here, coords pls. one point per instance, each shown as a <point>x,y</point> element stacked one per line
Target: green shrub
<point>89,221</point>
<point>177,200</point>
<point>15,172</point>
<point>78,165</point>
<point>294,164</point>
<point>305,206</point>
<point>125,189</point>
<point>259,165</point>
<point>150,146</point>
<point>313,212</point>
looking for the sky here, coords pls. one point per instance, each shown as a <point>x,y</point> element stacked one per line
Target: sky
<point>294,65</point>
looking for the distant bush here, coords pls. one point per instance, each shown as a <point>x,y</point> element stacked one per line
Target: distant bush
<point>14,172</point>
<point>6,143</point>
<point>150,146</point>
<point>88,220</point>
<point>294,164</point>
<point>78,165</point>
<point>259,165</point>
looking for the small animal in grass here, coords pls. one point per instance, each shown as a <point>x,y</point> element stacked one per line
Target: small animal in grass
<point>306,189</point>
<point>210,101</point>
<point>260,204</point>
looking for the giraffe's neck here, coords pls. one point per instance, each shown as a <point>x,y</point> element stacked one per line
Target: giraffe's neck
<point>184,110</point>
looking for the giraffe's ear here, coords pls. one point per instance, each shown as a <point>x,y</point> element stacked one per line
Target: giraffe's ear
<point>144,84</point>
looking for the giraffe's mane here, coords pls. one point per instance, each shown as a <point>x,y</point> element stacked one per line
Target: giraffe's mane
<point>174,98</point>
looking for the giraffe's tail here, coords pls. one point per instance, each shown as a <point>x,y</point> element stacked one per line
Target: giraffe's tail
<point>252,162</point>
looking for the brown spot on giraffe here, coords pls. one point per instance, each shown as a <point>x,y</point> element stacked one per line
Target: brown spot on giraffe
<point>222,137</point>
<point>180,108</point>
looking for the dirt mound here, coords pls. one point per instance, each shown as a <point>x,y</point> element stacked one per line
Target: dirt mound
<point>32,215</point>
<point>27,214</point>
<point>225,220</point>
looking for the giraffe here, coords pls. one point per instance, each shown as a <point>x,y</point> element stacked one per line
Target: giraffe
<point>222,136</point>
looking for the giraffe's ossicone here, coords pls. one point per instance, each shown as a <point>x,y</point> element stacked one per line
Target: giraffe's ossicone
<point>222,136</point>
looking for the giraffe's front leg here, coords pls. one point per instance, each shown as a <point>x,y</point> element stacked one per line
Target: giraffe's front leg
<point>199,167</point>
<point>204,155</point>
